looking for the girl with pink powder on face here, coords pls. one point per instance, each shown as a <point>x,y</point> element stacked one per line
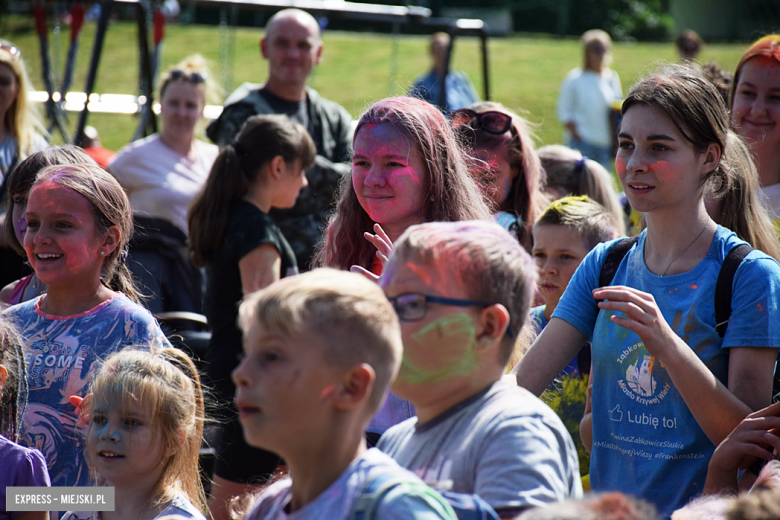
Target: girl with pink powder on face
<point>667,387</point>
<point>505,165</point>
<point>407,168</point>
<point>78,225</point>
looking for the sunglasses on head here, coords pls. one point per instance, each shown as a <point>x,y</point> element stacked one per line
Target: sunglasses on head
<point>492,122</point>
<point>414,306</point>
<point>192,77</point>
<point>10,49</point>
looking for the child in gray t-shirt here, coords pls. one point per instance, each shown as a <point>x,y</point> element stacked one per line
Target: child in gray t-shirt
<point>320,351</point>
<point>462,291</point>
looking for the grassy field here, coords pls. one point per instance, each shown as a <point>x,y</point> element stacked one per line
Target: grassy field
<point>525,71</point>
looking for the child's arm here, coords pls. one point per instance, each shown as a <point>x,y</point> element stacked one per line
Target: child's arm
<point>259,268</point>
<point>558,343</point>
<point>586,424</point>
<point>717,409</point>
<point>753,439</point>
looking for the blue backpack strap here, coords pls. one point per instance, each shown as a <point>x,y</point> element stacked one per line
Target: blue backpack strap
<point>724,287</point>
<point>614,257</point>
<point>373,492</point>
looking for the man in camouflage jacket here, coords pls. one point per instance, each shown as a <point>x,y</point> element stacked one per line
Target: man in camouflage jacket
<point>293,47</point>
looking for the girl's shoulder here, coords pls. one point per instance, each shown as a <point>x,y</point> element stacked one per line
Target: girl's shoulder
<point>24,466</point>
<point>181,506</point>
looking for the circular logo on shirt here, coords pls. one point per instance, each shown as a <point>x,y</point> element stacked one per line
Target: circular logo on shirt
<point>646,381</point>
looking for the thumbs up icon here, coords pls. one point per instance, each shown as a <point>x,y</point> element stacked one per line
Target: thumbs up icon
<point>615,414</point>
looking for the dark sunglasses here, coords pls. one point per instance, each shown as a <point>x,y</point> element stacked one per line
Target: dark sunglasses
<point>10,49</point>
<point>492,122</point>
<point>414,306</point>
<point>192,77</point>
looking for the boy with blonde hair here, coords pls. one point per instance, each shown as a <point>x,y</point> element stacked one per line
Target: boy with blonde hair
<point>462,291</point>
<point>320,351</point>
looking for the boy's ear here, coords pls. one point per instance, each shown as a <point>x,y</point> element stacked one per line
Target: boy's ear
<point>277,167</point>
<point>356,387</point>
<point>494,320</point>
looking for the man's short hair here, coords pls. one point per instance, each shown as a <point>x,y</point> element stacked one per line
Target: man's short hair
<point>488,262</point>
<point>344,312</point>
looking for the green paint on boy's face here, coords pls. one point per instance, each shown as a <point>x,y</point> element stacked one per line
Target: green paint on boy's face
<point>441,349</point>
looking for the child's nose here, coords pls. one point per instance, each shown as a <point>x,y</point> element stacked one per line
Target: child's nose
<point>109,432</point>
<point>239,374</point>
<point>376,177</point>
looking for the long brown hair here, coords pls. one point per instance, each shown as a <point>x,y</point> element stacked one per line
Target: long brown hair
<point>525,199</point>
<point>697,110</point>
<point>235,170</point>
<point>110,207</point>
<point>452,194</point>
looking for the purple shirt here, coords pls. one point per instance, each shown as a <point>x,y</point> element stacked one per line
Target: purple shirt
<point>20,467</point>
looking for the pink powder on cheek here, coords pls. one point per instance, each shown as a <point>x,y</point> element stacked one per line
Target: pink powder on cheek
<point>620,165</point>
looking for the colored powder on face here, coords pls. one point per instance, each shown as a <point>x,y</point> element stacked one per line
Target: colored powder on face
<point>454,333</point>
<point>620,165</point>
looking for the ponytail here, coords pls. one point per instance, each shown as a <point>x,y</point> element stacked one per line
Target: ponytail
<point>236,169</point>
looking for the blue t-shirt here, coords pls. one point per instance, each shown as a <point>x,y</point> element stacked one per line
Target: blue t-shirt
<point>645,440</point>
<point>62,354</point>
<point>459,92</point>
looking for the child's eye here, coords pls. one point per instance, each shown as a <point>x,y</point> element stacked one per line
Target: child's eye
<point>99,420</point>
<point>660,147</point>
<point>31,224</point>
<point>565,256</point>
<point>19,200</point>
<point>132,421</point>
<point>63,225</point>
<point>626,145</point>
<point>539,254</point>
<point>270,357</point>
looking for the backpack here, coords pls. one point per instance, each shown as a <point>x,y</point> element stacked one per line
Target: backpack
<point>723,287</point>
<point>466,506</point>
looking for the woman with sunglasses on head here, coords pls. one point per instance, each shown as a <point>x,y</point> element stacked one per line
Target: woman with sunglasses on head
<point>163,172</point>
<point>506,166</point>
<point>21,134</point>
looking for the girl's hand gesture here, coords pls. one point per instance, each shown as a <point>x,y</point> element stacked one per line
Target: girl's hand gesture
<point>642,316</point>
<point>82,404</point>
<point>753,439</point>
<point>384,246</point>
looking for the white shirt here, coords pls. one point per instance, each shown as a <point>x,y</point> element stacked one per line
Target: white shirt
<point>159,182</point>
<point>586,97</point>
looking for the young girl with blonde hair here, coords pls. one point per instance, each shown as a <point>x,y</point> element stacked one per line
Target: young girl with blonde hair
<point>144,436</point>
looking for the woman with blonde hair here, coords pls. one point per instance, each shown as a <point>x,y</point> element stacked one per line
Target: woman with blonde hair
<point>163,172</point>
<point>586,98</point>
<point>21,133</point>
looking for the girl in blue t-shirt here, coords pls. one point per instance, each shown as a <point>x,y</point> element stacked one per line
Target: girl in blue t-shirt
<point>666,388</point>
<point>78,225</point>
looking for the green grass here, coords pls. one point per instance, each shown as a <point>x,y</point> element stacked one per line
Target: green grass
<point>525,71</point>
